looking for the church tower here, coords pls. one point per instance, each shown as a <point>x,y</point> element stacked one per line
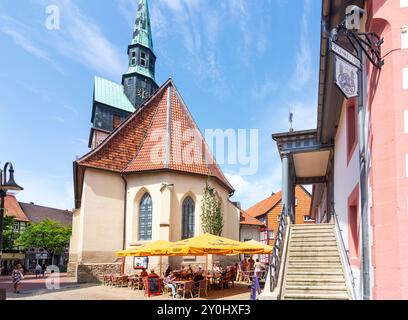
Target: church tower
<point>139,81</point>
<point>113,102</point>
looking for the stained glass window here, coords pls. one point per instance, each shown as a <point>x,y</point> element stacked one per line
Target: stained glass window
<point>188,218</point>
<point>145,218</point>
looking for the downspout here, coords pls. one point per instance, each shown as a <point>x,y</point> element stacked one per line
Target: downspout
<point>124,211</point>
<point>363,184</point>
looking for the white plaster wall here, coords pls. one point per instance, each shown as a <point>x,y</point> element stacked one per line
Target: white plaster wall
<point>98,228</point>
<point>74,241</point>
<point>184,185</point>
<point>101,226</point>
<point>346,178</point>
<point>249,232</point>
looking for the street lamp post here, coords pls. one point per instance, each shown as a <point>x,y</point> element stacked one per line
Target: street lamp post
<point>6,186</point>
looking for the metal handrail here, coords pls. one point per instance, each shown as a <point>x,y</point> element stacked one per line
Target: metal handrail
<point>343,245</point>
<point>276,256</point>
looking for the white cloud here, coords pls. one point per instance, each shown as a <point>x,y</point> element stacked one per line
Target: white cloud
<point>22,41</point>
<point>82,40</point>
<point>304,69</point>
<point>251,190</point>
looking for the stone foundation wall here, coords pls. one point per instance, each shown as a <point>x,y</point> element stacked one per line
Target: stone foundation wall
<point>91,273</point>
<point>72,269</point>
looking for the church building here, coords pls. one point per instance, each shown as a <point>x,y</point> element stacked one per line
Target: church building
<point>144,178</point>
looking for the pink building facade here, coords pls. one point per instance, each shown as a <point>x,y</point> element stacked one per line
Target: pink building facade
<point>329,157</point>
<point>387,104</point>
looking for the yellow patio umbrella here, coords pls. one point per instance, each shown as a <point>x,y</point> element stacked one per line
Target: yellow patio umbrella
<point>211,244</point>
<point>156,248</point>
<point>267,249</point>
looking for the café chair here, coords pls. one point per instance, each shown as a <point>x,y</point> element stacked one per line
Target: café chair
<point>202,287</point>
<point>187,288</point>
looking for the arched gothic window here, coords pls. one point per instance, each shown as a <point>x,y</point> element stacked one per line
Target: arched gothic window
<point>145,218</point>
<point>188,218</point>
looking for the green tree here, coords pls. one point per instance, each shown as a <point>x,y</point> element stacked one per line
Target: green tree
<point>212,219</point>
<point>50,235</point>
<point>9,236</point>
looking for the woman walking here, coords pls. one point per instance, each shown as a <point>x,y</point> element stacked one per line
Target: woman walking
<point>17,276</point>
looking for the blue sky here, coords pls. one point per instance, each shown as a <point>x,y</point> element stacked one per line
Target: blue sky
<point>238,64</point>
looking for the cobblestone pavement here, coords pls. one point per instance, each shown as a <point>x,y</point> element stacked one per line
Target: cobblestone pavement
<point>99,292</point>
<point>30,283</point>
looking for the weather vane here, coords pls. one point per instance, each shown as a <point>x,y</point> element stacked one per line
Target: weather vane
<point>291,121</point>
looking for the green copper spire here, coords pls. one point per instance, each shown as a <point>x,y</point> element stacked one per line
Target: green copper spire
<point>139,81</point>
<point>143,33</point>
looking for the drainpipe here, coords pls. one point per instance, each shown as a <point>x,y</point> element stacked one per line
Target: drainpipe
<point>363,184</point>
<point>124,211</point>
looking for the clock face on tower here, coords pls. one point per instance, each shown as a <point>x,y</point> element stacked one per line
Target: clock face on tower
<point>143,93</point>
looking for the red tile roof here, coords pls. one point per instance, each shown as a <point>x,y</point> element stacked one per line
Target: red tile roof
<point>160,135</point>
<point>13,209</point>
<point>246,219</point>
<point>264,206</point>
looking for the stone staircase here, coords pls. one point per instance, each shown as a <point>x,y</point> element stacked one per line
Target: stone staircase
<point>313,268</point>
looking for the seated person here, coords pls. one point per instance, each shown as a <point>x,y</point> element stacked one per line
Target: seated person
<point>168,281</point>
<point>168,271</point>
<point>144,273</point>
<point>198,277</point>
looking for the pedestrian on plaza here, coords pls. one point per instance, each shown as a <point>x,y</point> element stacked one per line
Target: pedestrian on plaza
<point>38,270</point>
<point>43,268</point>
<point>258,269</point>
<point>17,275</point>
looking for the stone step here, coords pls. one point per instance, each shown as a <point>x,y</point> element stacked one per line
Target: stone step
<point>300,243</point>
<point>307,273</point>
<point>312,226</point>
<point>317,266</point>
<point>306,288</point>
<point>311,254</point>
<point>308,231</point>
<point>313,238</point>
<point>296,270</point>
<point>313,248</point>
<point>315,259</point>
<point>313,296</point>
<point>311,282</point>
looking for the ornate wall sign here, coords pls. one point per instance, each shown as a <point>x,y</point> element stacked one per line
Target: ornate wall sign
<point>346,77</point>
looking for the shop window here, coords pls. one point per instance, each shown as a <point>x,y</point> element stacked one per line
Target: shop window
<point>188,218</point>
<point>352,121</point>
